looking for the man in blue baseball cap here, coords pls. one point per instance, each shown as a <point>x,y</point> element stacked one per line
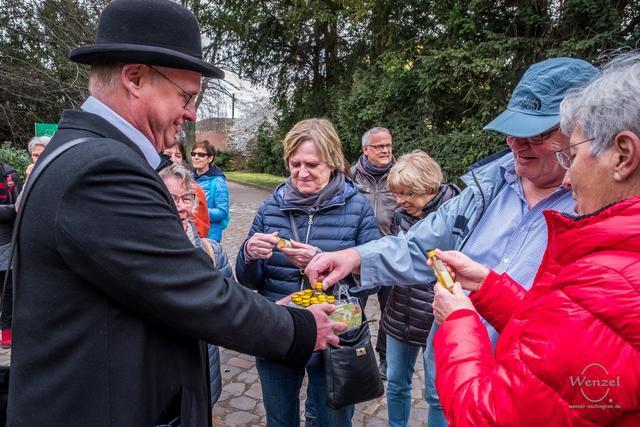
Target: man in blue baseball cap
<point>497,220</point>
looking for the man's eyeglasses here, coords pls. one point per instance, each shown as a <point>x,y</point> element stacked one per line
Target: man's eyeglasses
<point>537,139</point>
<point>186,199</point>
<point>189,98</point>
<point>380,147</point>
<point>198,154</point>
<point>564,158</point>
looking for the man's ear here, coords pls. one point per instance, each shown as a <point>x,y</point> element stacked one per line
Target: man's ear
<point>627,155</point>
<point>132,77</point>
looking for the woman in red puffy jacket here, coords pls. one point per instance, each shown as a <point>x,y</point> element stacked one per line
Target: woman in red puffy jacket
<point>569,349</point>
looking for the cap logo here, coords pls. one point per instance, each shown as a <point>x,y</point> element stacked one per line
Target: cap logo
<point>531,103</point>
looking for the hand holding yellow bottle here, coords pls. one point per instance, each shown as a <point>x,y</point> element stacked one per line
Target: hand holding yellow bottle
<point>439,268</point>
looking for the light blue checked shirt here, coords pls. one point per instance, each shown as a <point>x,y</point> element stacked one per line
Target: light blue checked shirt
<point>510,237</point>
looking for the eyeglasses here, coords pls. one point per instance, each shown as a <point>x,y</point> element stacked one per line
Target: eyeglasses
<point>186,199</point>
<point>537,139</point>
<point>404,195</point>
<point>565,159</point>
<point>380,147</point>
<point>198,154</point>
<point>189,98</point>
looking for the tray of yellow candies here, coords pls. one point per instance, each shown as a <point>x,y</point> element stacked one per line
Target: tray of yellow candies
<point>347,310</point>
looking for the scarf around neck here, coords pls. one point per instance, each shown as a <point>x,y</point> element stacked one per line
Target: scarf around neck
<point>375,171</point>
<point>310,203</point>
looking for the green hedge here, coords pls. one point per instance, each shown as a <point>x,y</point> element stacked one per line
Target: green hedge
<point>17,158</point>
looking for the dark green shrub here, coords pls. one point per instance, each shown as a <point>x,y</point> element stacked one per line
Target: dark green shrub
<point>17,158</point>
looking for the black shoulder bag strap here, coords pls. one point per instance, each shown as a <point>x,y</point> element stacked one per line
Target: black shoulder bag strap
<point>294,228</point>
<point>24,196</point>
<point>296,237</point>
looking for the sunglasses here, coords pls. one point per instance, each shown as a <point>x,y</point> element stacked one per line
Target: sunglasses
<point>197,154</point>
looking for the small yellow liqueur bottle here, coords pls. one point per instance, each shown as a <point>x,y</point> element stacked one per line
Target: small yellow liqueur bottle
<point>441,272</point>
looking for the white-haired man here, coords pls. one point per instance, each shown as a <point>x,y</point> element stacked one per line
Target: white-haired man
<point>370,175</point>
<point>568,352</point>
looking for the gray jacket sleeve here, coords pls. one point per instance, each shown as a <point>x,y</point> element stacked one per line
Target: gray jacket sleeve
<point>401,260</point>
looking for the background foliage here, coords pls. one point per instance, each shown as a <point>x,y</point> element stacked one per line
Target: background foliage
<point>433,72</point>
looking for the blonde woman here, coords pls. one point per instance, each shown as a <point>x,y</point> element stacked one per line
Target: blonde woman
<point>328,214</point>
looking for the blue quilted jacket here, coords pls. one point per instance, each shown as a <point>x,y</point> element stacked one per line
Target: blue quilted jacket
<point>343,222</point>
<point>214,184</point>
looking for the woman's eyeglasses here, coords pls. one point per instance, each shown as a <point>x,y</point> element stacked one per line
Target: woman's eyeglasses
<point>198,154</point>
<point>186,199</point>
<point>564,158</point>
<point>404,195</point>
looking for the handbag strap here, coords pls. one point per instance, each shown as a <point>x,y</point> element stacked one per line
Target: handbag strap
<point>24,197</point>
<point>296,237</point>
<point>294,228</point>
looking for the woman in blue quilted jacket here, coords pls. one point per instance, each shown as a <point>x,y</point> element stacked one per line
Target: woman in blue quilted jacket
<point>326,211</point>
<point>212,180</point>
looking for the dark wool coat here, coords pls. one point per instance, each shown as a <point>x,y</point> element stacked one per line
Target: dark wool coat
<point>111,298</point>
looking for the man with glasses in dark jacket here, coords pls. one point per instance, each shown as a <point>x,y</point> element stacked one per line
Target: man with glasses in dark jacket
<point>370,175</point>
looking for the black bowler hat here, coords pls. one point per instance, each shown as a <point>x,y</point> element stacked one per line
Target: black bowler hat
<point>153,32</point>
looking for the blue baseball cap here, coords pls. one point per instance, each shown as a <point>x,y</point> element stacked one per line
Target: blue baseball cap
<point>535,103</point>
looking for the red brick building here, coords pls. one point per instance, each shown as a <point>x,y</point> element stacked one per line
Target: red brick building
<point>215,130</point>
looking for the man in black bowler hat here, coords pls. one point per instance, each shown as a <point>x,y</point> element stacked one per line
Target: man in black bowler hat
<point>111,297</point>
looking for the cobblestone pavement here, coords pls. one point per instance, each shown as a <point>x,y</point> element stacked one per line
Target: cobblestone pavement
<point>240,403</point>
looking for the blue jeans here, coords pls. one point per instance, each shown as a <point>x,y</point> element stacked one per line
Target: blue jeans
<point>281,395</point>
<point>401,360</point>
<point>436,414</point>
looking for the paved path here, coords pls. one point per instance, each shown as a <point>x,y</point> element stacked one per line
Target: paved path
<point>241,401</point>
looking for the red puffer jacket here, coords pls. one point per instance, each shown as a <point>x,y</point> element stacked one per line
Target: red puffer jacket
<point>569,349</point>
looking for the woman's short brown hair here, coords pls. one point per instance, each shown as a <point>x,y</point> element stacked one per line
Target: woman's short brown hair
<point>417,172</point>
<point>208,148</point>
<point>323,134</point>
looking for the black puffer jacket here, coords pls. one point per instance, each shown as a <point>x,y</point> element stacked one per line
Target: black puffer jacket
<point>408,314</point>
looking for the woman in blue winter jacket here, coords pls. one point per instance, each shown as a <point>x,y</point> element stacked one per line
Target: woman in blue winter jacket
<point>327,213</point>
<point>212,180</point>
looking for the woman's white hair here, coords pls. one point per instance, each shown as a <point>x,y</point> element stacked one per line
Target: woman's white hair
<point>608,105</point>
<point>181,172</point>
<point>38,140</point>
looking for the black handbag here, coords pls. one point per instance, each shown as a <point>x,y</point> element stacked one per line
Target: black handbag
<point>351,370</point>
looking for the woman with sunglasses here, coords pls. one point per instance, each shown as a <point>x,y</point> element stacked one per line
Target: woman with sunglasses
<point>212,180</point>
